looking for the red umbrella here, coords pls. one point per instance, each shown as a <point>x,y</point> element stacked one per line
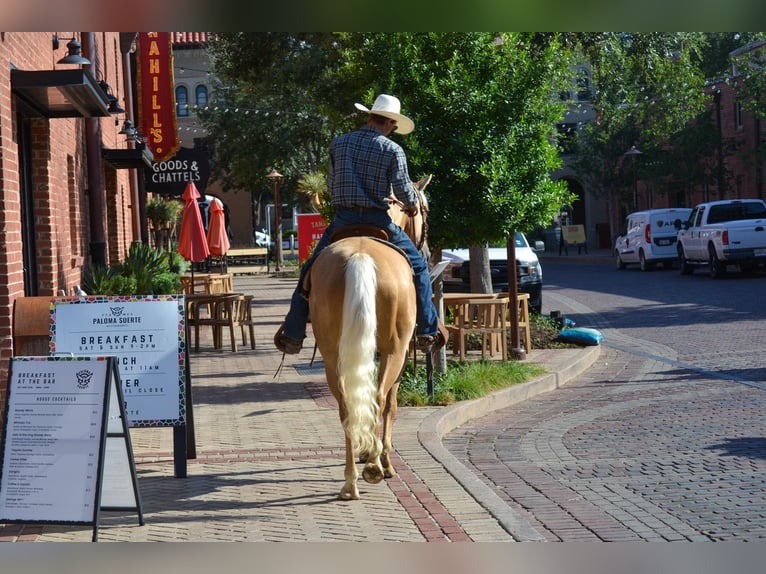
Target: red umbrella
<point>217,238</point>
<point>192,243</point>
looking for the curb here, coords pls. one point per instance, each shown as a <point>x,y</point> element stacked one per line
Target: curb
<point>441,422</point>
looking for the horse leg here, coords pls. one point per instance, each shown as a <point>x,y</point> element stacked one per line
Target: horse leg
<point>389,408</point>
<point>349,491</point>
<point>373,471</point>
<point>388,423</point>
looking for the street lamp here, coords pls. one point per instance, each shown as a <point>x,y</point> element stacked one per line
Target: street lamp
<point>633,152</point>
<point>276,180</point>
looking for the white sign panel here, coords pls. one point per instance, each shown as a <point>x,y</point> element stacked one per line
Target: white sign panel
<point>146,335</point>
<point>52,446</point>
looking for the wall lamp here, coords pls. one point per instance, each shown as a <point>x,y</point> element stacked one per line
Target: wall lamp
<point>131,133</point>
<point>74,55</point>
<point>114,108</point>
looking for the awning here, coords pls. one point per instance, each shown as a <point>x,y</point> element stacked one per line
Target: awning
<point>128,158</point>
<point>60,93</point>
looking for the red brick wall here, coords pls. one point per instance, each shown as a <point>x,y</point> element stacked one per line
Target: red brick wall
<point>60,187</point>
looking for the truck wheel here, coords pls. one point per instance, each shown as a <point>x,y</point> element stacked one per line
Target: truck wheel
<point>619,262</point>
<point>717,267</point>
<point>683,264</point>
<point>643,263</point>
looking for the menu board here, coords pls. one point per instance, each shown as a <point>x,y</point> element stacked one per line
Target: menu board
<point>53,440</point>
<point>146,334</point>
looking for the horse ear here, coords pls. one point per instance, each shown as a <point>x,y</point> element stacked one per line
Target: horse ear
<point>422,183</point>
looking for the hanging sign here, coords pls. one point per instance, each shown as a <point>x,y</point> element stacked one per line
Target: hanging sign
<point>156,93</point>
<point>170,176</point>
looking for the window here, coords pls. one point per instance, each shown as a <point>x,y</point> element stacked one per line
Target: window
<point>182,101</point>
<point>200,95</point>
<point>738,115</point>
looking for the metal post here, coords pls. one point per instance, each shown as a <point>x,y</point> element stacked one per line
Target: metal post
<point>276,179</point>
<point>633,152</point>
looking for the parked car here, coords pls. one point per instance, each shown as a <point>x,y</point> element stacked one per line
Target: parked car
<point>723,233</point>
<point>529,273</point>
<point>650,238</point>
<point>262,239</point>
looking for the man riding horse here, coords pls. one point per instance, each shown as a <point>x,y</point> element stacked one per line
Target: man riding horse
<point>366,168</point>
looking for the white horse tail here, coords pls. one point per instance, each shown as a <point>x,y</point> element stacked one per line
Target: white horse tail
<point>357,374</point>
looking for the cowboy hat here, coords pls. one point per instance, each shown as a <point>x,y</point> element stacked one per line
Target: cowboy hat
<point>389,107</point>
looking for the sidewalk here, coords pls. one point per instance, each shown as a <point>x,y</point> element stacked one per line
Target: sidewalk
<point>270,454</point>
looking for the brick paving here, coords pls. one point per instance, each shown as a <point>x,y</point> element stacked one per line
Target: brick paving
<point>641,447</point>
<point>269,460</point>
<point>631,446</point>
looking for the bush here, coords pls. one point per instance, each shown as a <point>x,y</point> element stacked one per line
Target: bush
<point>144,271</point>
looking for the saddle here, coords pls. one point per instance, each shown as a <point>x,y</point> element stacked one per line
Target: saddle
<point>359,230</point>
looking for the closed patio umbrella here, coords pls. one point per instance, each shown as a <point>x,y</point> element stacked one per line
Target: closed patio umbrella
<point>217,238</point>
<point>192,243</point>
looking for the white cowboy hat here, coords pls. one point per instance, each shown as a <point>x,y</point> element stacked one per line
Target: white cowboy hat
<point>389,107</point>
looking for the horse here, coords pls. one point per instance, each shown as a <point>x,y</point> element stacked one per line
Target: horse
<point>362,304</point>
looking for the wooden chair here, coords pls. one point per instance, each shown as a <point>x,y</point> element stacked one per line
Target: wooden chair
<point>232,310</point>
<point>31,325</point>
<point>482,316</point>
<point>525,332</point>
<point>246,319</point>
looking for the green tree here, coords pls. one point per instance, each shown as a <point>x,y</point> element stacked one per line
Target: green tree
<point>647,87</point>
<point>274,106</point>
<point>485,111</point>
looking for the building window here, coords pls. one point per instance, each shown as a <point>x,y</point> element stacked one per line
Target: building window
<point>738,115</point>
<point>200,95</point>
<point>182,101</point>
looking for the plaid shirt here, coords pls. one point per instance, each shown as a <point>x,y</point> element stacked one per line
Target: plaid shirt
<point>365,166</point>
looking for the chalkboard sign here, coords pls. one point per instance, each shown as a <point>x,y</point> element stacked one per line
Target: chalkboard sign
<point>66,448</point>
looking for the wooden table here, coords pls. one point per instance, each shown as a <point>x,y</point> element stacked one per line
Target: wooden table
<point>214,310</point>
<point>206,283</point>
<point>458,300</point>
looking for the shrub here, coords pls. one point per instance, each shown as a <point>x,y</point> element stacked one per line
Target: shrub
<point>144,271</point>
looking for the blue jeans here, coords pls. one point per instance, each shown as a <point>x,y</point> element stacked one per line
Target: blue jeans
<point>427,319</point>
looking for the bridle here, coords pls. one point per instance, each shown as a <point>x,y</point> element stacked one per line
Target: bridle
<point>423,207</point>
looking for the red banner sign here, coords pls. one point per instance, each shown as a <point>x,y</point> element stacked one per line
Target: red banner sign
<point>311,226</point>
<point>156,94</point>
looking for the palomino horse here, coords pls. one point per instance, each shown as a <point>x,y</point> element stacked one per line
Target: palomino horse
<point>362,303</point>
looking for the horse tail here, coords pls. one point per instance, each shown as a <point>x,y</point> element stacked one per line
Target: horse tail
<point>356,354</point>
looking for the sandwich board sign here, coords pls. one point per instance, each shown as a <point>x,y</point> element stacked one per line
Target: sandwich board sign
<point>147,336</point>
<point>66,452</point>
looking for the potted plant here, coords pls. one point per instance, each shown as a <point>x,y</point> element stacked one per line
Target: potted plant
<point>163,214</point>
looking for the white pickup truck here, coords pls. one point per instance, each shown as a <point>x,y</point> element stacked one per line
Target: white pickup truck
<point>723,233</point>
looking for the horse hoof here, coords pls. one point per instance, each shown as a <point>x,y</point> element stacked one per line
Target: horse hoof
<point>349,493</point>
<point>372,474</point>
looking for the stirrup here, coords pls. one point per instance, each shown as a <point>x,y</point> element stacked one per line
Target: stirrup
<point>287,344</point>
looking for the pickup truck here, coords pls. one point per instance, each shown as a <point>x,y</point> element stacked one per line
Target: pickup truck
<point>722,233</point>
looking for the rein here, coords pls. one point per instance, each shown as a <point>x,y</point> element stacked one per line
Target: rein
<point>410,226</point>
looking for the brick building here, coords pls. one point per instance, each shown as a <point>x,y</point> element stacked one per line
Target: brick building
<point>69,191</point>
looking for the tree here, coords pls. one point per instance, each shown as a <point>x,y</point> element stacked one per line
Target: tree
<point>647,87</point>
<point>485,115</point>
<point>273,106</point>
